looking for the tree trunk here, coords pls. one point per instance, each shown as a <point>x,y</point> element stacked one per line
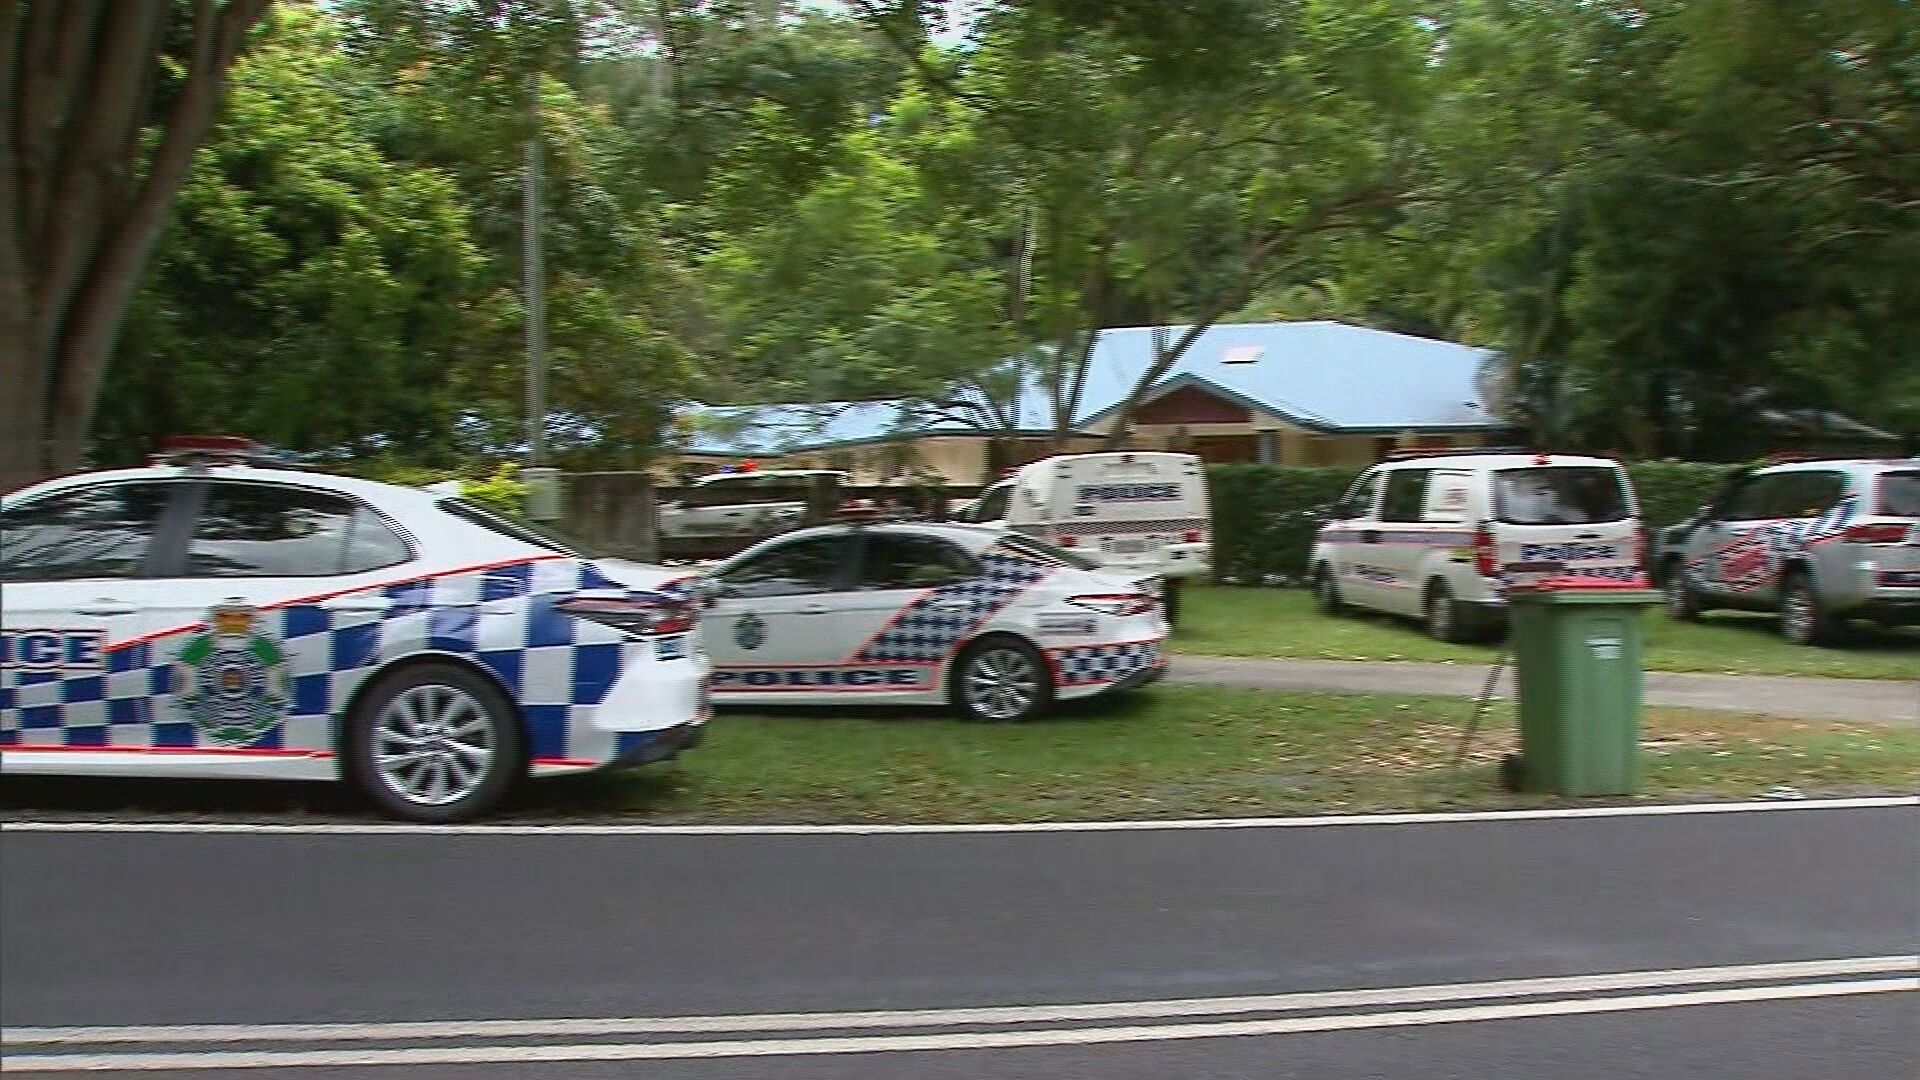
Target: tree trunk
<point>81,202</point>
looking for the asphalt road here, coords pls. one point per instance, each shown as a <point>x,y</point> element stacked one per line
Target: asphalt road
<point>153,931</point>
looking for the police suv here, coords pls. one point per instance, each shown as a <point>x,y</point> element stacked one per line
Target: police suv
<point>1441,535</point>
<point>1818,541</point>
<point>992,622</point>
<point>209,617</point>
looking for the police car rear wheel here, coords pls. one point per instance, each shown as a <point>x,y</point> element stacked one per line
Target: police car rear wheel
<point>1001,680</point>
<point>1443,615</point>
<point>1803,619</point>
<point>435,743</point>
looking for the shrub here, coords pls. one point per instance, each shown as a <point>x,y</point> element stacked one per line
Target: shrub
<point>1671,491</point>
<point>503,493</point>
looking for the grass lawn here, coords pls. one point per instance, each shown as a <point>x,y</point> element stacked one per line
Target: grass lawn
<point>1177,751</point>
<point>1228,621</point>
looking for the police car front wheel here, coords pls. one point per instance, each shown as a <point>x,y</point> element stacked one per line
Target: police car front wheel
<point>1002,679</point>
<point>435,743</point>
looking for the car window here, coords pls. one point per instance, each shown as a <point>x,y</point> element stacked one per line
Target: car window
<point>812,565</point>
<point>993,505</point>
<point>1804,494</point>
<point>1900,494</point>
<point>93,532</point>
<point>1449,495</point>
<point>896,561</point>
<point>1360,498</point>
<point>1406,495</point>
<point>270,530</point>
<point>517,530</point>
<point>1749,499</point>
<point>1560,495</point>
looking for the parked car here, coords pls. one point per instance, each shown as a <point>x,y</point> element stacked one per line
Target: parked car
<point>990,621</point>
<point>724,513</point>
<point>1819,541</point>
<point>1442,535</point>
<point>210,618</point>
<point>1135,513</point>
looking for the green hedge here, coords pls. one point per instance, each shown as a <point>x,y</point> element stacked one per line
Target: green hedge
<point>1264,516</point>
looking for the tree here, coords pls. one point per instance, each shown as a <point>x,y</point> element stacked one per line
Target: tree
<point>102,105</point>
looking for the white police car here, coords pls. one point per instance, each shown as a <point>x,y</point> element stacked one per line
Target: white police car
<point>995,623</point>
<point>217,619</point>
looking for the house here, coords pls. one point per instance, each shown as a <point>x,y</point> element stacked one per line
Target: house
<point>1303,393</point>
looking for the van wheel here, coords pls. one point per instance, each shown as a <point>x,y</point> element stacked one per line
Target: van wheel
<point>1803,618</point>
<point>1326,593</point>
<point>435,743</point>
<point>1170,601</point>
<point>1683,603</point>
<point>1444,619</point>
<point>1001,680</point>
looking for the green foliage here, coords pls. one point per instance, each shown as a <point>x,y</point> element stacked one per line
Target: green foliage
<point>1670,491</point>
<point>503,492</point>
<point>1263,517</point>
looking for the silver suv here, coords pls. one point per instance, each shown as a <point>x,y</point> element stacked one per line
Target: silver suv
<point>1821,542</point>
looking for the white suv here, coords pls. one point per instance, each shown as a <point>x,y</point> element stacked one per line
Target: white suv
<point>1441,536</point>
<point>1817,541</point>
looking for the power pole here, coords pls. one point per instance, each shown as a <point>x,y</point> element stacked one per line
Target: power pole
<point>533,274</point>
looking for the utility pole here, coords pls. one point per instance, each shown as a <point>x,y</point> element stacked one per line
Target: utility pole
<point>534,277</point>
<point>542,482</point>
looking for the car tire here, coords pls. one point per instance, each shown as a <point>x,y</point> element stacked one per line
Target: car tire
<point>1445,620</point>
<point>1001,680</point>
<point>1804,620</point>
<point>1683,603</point>
<point>462,737</point>
<point>1170,602</point>
<point>1326,593</point>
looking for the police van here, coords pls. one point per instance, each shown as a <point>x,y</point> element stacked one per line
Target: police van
<point>1133,512</point>
<point>1441,535</point>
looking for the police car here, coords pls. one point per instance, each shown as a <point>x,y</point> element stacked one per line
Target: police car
<point>1819,541</point>
<point>993,622</point>
<point>209,617</point>
<point>1442,534</point>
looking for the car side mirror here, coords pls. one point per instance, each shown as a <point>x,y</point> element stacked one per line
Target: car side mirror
<point>707,591</point>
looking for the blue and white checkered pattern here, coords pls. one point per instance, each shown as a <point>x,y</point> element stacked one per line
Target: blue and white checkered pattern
<point>1088,665</point>
<point>935,624</point>
<point>501,617</point>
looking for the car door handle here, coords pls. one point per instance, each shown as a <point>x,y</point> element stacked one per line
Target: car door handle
<point>1587,536</point>
<point>377,604</point>
<point>1369,536</point>
<point>104,607</point>
<point>951,607</point>
<point>814,609</point>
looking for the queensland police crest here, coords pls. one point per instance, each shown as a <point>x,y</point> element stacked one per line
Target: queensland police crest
<point>749,632</point>
<point>232,679</point>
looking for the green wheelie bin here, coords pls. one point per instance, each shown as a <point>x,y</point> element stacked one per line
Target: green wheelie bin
<point>1577,645</point>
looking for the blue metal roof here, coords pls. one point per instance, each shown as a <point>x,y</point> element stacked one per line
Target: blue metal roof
<point>1324,376</point>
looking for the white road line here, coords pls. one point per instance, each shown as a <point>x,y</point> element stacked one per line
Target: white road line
<point>869,1044</point>
<point>1002,1014</point>
<point>1316,821</point>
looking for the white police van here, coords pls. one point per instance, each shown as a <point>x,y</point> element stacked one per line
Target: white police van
<point>1441,535</point>
<point>215,618</point>
<point>1131,512</point>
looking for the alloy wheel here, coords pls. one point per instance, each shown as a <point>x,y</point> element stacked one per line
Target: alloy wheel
<point>433,745</point>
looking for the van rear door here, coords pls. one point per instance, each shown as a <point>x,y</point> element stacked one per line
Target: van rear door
<point>1566,520</point>
<point>1126,509</point>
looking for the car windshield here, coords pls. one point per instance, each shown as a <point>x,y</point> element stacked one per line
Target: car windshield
<point>519,530</point>
<point>1559,495</point>
<point>1900,494</point>
<point>1029,546</point>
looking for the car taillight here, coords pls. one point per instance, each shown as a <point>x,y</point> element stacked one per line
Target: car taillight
<point>1067,540</point>
<point>1114,603</point>
<point>1191,536</point>
<point>635,615</point>
<point>1875,534</point>
<point>1486,553</point>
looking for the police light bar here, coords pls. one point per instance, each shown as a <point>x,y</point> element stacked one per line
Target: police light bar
<point>238,449</point>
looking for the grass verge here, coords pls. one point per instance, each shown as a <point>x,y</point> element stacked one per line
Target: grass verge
<point>1197,752</point>
<point>1227,621</point>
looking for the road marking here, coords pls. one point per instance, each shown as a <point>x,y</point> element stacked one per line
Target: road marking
<point>976,1040</point>
<point>1316,821</point>
<point>997,1014</point>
